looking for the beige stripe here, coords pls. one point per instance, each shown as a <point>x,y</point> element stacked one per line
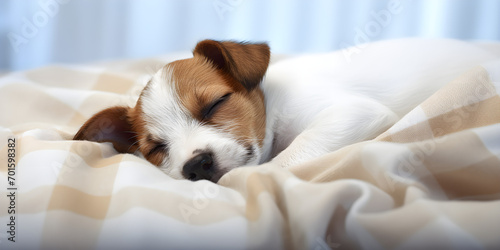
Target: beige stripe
<point>141,67</point>
<point>134,68</point>
<point>25,104</point>
<point>418,132</point>
<point>466,102</point>
<point>67,230</point>
<point>77,120</point>
<point>96,180</point>
<point>54,76</point>
<point>463,167</point>
<point>76,201</point>
<point>95,103</point>
<point>471,87</point>
<point>480,114</point>
<point>473,181</point>
<point>256,184</point>
<point>91,153</point>
<point>394,228</point>
<point>475,115</point>
<point>33,201</point>
<point>330,167</point>
<point>350,163</point>
<point>113,83</point>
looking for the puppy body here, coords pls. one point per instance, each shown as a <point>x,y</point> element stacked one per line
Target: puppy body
<point>198,118</point>
<point>320,103</point>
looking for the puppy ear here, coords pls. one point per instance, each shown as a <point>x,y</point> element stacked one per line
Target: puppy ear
<point>110,125</point>
<point>246,62</point>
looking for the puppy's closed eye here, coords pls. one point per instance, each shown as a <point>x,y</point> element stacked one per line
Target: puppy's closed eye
<point>157,146</point>
<point>208,111</point>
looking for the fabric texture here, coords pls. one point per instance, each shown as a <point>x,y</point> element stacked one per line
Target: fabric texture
<point>432,181</point>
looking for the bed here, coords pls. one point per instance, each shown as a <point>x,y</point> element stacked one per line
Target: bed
<point>430,181</point>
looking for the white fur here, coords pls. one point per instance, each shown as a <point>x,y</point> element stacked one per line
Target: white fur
<point>320,103</point>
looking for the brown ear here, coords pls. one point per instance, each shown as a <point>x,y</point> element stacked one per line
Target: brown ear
<point>110,125</point>
<point>246,62</point>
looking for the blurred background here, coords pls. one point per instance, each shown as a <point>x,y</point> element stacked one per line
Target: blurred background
<point>34,33</point>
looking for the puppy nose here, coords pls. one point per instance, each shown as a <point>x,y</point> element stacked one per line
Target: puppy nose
<point>199,167</point>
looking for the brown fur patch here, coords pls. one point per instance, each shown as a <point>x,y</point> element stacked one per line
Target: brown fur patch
<point>146,144</point>
<point>198,84</point>
<point>246,62</point>
<point>110,125</point>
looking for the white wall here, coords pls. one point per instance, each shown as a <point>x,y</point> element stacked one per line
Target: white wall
<point>39,32</point>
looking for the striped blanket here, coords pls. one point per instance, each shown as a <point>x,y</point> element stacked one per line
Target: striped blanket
<point>432,181</point>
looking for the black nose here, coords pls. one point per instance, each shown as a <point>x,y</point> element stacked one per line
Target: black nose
<point>199,167</point>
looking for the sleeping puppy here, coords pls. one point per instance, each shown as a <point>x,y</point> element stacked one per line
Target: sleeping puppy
<point>198,118</point>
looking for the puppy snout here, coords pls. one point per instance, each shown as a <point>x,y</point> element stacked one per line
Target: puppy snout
<point>200,167</point>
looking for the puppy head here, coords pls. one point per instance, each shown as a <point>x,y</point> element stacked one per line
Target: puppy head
<point>197,118</point>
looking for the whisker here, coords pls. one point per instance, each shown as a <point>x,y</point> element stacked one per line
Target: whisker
<point>138,149</point>
<point>133,137</point>
<point>133,145</point>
